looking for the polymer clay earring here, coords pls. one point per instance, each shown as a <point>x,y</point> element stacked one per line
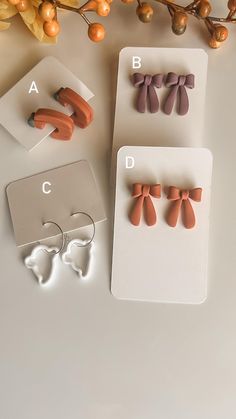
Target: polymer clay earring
<point>43,258</point>
<point>63,123</point>
<point>143,200</point>
<point>72,254</point>
<point>83,113</point>
<point>181,202</point>
<point>178,85</point>
<point>147,95</point>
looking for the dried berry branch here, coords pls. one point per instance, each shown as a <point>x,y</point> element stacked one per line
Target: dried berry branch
<point>201,9</point>
<point>45,12</point>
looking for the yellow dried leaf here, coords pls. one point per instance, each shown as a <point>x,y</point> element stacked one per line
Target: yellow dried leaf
<point>4,25</point>
<point>29,15</point>
<point>7,12</point>
<point>4,4</point>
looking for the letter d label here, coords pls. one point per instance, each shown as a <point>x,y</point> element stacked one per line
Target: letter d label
<point>129,162</point>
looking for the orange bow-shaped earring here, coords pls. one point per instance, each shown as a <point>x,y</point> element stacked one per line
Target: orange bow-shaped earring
<point>181,199</point>
<point>143,194</point>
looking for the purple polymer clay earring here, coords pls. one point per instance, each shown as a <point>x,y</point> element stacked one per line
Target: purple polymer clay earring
<point>177,85</point>
<point>147,94</point>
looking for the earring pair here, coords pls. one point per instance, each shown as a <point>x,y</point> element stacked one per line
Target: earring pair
<point>177,84</point>
<point>64,125</point>
<point>180,201</point>
<point>43,269</point>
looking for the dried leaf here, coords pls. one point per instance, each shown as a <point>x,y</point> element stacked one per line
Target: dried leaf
<point>29,15</point>
<point>4,25</point>
<point>7,11</point>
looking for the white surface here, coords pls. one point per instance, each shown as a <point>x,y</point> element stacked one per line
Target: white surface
<point>134,128</point>
<point>17,105</point>
<point>74,351</point>
<point>161,263</point>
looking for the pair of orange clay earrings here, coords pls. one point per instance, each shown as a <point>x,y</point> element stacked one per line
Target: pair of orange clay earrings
<point>64,125</point>
<point>180,201</point>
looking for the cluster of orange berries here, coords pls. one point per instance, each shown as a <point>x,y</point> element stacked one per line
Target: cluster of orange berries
<point>48,13</point>
<point>179,16</point>
<point>96,31</point>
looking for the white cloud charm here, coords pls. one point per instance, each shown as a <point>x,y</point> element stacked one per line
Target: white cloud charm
<point>41,261</point>
<point>80,257</point>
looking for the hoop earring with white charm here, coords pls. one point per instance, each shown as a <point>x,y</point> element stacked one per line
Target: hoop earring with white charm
<point>70,256</point>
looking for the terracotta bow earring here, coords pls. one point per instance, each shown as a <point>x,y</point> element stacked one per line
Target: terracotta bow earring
<point>181,202</point>
<point>147,94</point>
<point>143,194</point>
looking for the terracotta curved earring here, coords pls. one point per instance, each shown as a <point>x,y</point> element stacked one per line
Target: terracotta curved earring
<point>83,113</point>
<point>63,123</point>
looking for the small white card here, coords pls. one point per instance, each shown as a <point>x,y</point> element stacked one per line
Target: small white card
<point>161,263</point>
<point>16,106</point>
<point>159,129</point>
<point>54,195</point>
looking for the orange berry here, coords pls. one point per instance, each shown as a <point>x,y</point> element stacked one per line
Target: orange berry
<point>51,28</point>
<point>179,23</point>
<point>96,32</point>
<point>203,9</point>
<point>23,5</point>
<point>47,11</point>
<point>220,33</point>
<point>103,9</point>
<point>145,12</point>
<point>180,19</point>
<point>213,43</point>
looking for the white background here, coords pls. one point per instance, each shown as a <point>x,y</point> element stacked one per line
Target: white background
<point>74,351</point>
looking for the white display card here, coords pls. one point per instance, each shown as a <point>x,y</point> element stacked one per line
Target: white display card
<point>54,196</point>
<point>161,263</point>
<point>35,90</point>
<point>159,129</point>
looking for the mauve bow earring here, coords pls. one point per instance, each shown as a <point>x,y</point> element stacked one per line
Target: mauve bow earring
<point>181,200</point>
<point>177,85</point>
<point>147,93</point>
<point>143,194</point>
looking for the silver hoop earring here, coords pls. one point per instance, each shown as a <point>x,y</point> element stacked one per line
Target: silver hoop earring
<point>43,267</point>
<point>71,257</point>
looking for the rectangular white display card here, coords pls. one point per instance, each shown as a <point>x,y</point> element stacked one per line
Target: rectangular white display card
<point>161,263</point>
